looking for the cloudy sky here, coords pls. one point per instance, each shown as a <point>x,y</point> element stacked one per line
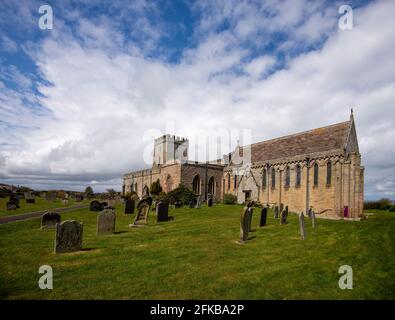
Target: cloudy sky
<point>80,103</point>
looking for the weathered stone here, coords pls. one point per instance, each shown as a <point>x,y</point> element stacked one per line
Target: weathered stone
<point>262,223</point>
<point>106,222</point>
<point>283,218</point>
<point>210,202</point>
<point>68,237</point>
<point>142,213</point>
<point>302,226</point>
<point>49,220</point>
<point>129,206</point>
<point>245,224</point>
<point>94,205</point>
<point>276,212</point>
<point>198,202</point>
<point>312,218</point>
<point>162,212</point>
<point>148,199</point>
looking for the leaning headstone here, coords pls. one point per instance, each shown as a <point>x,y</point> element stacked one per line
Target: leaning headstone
<point>68,236</point>
<point>94,206</point>
<point>31,200</point>
<point>210,202</point>
<point>178,205</point>
<point>11,205</point>
<point>149,199</point>
<point>283,218</point>
<point>129,206</point>
<point>313,218</point>
<point>262,223</point>
<point>244,224</point>
<point>106,222</point>
<point>49,220</point>
<point>162,212</point>
<point>302,226</point>
<point>276,213</point>
<point>198,203</point>
<point>142,214</point>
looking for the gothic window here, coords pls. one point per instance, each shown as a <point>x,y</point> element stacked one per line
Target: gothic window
<point>235,182</point>
<point>298,176</point>
<point>211,186</point>
<point>273,178</point>
<point>287,177</point>
<point>228,181</point>
<point>264,179</point>
<point>316,175</point>
<point>328,173</point>
<point>196,185</point>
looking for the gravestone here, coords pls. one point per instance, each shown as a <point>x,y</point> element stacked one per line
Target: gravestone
<point>276,213</point>
<point>283,218</point>
<point>103,205</point>
<point>162,212</point>
<point>192,203</point>
<point>111,203</point>
<point>149,199</point>
<point>210,202</point>
<point>129,206</point>
<point>198,203</point>
<point>49,220</point>
<point>250,217</point>
<point>94,206</point>
<point>50,196</point>
<point>65,201</point>
<point>178,205</point>
<point>14,198</point>
<point>244,224</point>
<point>286,211</point>
<point>281,207</point>
<point>262,223</point>
<point>68,237</point>
<point>309,212</point>
<point>135,197</point>
<point>11,205</point>
<point>79,198</point>
<point>106,222</point>
<point>142,214</point>
<point>31,200</point>
<point>313,218</point>
<point>302,226</point>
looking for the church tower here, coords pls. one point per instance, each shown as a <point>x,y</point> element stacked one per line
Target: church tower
<point>170,149</point>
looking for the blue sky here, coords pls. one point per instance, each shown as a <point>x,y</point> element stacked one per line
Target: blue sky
<point>80,103</point>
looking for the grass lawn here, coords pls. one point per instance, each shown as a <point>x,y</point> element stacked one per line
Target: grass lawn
<point>196,257</point>
<point>41,204</point>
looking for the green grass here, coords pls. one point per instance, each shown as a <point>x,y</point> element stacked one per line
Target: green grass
<point>196,257</point>
<point>41,204</point>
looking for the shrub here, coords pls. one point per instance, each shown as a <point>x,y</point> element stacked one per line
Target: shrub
<point>182,194</point>
<point>230,198</point>
<point>155,188</point>
<point>392,209</point>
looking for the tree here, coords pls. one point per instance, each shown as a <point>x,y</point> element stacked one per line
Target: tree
<point>89,191</point>
<point>155,188</point>
<point>111,192</point>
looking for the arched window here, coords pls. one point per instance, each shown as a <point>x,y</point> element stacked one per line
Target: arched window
<point>196,185</point>
<point>329,173</point>
<point>273,178</point>
<point>287,177</point>
<point>235,182</point>
<point>316,175</point>
<point>228,181</point>
<point>298,176</point>
<point>169,183</point>
<point>264,178</point>
<point>211,186</point>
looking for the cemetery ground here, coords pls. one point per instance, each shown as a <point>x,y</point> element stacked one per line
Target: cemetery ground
<point>41,204</point>
<point>196,257</point>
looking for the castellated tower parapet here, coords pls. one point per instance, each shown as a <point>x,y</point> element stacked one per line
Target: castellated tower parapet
<point>170,149</point>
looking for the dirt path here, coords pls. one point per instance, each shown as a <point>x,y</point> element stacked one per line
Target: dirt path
<point>36,214</point>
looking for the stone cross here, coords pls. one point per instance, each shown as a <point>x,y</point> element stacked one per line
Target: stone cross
<point>262,223</point>
<point>302,226</point>
<point>106,222</point>
<point>68,237</point>
<point>49,220</point>
<point>129,206</point>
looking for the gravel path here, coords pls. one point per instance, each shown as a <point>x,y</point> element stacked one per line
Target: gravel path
<point>36,214</point>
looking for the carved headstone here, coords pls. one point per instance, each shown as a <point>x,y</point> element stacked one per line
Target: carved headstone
<point>142,213</point>
<point>129,206</point>
<point>210,202</point>
<point>283,218</point>
<point>262,223</point>
<point>148,199</point>
<point>49,220</point>
<point>106,222</point>
<point>302,226</point>
<point>245,224</point>
<point>68,237</point>
<point>276,213</point>
<point>162,212</point>
<point>94,206</point>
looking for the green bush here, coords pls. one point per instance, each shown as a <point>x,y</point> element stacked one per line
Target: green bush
<point>382,204</point>
<point>392,209</point>
<point>182,194</point>
<point>230,198</point>
<point>155,188</point>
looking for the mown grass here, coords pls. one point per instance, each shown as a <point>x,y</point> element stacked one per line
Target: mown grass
<point>41,204</point>
<point>196,257</point>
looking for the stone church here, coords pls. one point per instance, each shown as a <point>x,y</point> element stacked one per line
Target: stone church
<point>319,168</point>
